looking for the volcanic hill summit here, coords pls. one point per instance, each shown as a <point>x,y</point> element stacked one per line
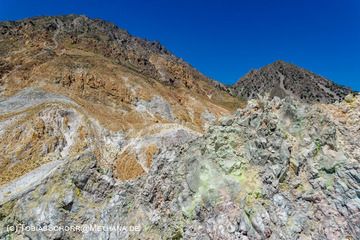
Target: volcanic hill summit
<point>284,79</point>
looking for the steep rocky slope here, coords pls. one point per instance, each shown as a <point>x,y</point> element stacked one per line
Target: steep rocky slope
<point>70,84</point>
<point>284,79</point>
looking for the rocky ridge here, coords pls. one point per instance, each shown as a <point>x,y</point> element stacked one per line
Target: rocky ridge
<point>48,37</point>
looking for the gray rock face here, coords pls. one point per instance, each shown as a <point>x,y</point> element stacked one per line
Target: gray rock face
<point>280,199</point>
<point>283,79</point>
<point>156,106</point>
<point>277,169</point>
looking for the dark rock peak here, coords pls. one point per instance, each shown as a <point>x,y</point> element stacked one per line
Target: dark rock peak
<point>285,79</point>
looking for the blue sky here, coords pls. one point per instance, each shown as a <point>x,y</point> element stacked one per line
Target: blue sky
<point>225,39</point>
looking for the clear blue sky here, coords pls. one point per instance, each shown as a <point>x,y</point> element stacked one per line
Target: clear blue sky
<point>224,39</point>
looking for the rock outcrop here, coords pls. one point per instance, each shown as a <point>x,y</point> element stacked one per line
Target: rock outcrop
<point>277,169</point>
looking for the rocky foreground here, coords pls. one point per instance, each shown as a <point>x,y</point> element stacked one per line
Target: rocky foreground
<point>277,169</point>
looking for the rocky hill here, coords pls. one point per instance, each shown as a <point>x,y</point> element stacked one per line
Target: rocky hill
<point>70,84</point>
<point>41,49</point>
<point>102,129</point>
<point>284,79</point>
